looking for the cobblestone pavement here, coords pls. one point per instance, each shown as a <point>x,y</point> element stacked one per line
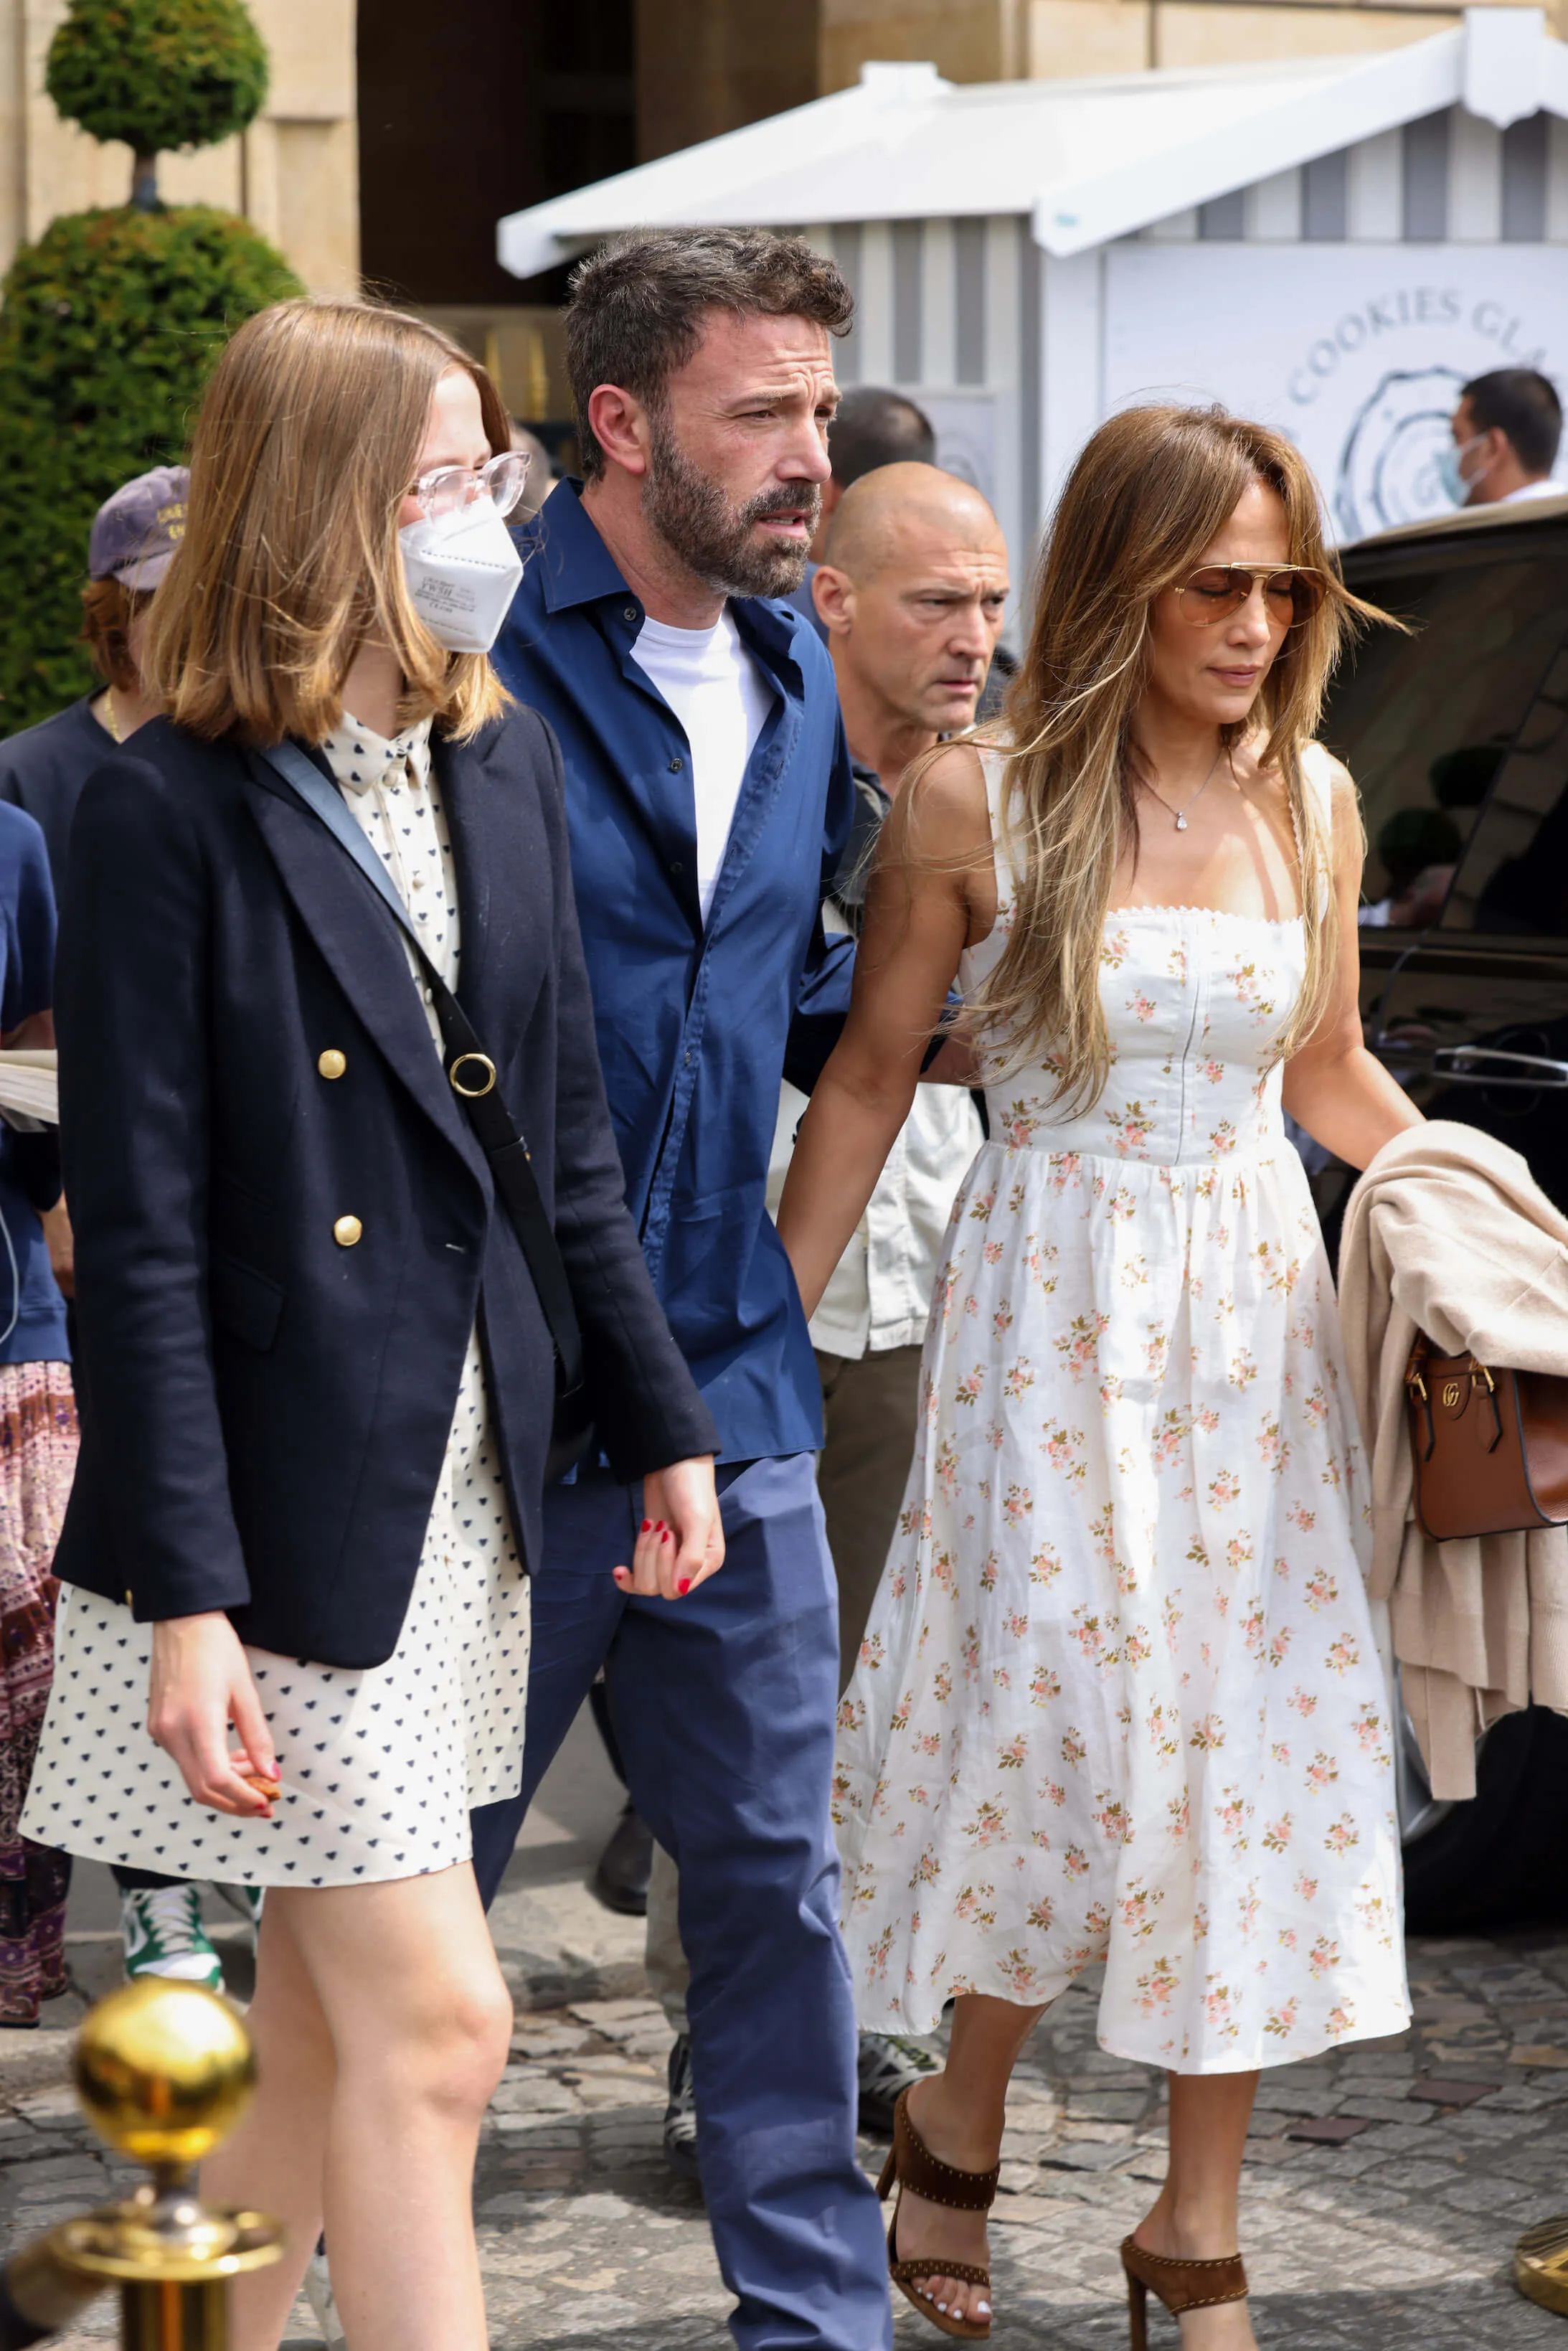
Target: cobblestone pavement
<point>1385,2188</point>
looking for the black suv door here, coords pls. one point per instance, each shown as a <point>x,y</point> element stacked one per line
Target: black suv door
<point>1457,736</point>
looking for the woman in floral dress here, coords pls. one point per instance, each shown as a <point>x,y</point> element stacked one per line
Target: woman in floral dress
<point>1119,1698</point>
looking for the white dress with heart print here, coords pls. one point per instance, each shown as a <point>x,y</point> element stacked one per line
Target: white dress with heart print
<point>379,1767</point>
<point>1119,1696</point>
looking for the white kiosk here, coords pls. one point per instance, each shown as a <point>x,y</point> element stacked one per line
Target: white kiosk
<point>1331,243</point>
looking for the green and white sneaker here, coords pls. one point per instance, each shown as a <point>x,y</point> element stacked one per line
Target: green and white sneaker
<point>160,1928</point>
<point>318,2287</point>
<point>246,1902</point>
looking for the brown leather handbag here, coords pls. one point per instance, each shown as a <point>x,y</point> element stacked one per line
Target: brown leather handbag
<point>1491,1447</point>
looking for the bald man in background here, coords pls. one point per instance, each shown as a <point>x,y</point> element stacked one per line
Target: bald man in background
<point>873,426</point>
<point>911,593</point>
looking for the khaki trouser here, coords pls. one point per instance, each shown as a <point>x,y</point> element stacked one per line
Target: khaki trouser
<point>869,1409</point>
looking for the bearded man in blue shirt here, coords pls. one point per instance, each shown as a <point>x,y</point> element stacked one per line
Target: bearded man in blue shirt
<point>708,798</point>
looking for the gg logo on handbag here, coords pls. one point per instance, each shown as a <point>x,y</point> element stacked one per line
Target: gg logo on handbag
<point>1490,1448</point>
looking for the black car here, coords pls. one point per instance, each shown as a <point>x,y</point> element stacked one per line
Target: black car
<point>1457,733</point>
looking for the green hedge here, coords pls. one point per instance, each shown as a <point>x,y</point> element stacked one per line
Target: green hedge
<point>158,73</point>
<point>108,327</point>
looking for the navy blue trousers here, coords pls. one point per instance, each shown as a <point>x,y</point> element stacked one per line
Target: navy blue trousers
<point>722,1708</point>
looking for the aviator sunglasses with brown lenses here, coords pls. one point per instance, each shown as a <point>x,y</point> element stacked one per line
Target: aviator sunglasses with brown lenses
<point>1291,592</point>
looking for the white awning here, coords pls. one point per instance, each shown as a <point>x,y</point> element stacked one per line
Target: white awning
<point>1084,160</point>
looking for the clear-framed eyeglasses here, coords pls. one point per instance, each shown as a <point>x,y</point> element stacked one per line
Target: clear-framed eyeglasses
<point>449,488</point>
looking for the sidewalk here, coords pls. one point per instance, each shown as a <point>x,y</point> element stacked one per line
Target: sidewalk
<point>1383,2189</point>
<point>555,1943</point>
<point>1385,2186</point>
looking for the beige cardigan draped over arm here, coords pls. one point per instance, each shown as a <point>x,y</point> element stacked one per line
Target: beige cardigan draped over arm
<point>1447,1233</point>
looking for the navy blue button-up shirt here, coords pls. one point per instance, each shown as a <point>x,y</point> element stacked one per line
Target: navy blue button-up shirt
<point>697,1025</point>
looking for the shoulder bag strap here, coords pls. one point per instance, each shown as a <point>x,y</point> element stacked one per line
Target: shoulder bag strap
<point>470,1070</point>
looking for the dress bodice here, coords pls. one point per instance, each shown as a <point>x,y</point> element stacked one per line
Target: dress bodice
<point>1195,1004</point>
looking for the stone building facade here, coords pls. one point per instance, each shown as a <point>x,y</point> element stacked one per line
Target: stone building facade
<point>708,65</point>
<point>295,173</point>
<point>1007,40</point>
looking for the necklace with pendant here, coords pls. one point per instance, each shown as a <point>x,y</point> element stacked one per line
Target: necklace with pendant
<point>1180,814</point>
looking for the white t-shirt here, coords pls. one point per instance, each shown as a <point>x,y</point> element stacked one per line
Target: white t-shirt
<point>722,699</point>
<point>1549,488</point>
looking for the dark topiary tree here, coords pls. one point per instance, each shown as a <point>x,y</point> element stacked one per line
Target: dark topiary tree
<point>110,322</point>
<point>157,74</point>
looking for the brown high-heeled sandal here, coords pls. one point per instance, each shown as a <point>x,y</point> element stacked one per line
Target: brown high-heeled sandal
<point>912,2165</point>
<point>1180,2285</point>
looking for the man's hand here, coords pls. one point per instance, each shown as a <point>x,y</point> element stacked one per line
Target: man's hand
<point>681,1543</point>
<point>201,1683</point>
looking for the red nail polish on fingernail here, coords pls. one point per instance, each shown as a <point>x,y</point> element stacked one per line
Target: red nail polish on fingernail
<point>685,1585</point>
<point>647,1524</point>
<point>665,1536</point>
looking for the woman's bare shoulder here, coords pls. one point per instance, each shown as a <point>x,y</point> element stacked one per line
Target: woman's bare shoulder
<point>945,808</point>
<point>1340,799</point>
<point>1331,773</point>
<point>1329,777</point>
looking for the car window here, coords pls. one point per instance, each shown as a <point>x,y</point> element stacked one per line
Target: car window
<point>1465,707</point>
<point>1514,878</point>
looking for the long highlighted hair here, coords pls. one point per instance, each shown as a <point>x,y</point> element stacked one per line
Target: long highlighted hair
<point>1148,494</point>
<point>307,444</point>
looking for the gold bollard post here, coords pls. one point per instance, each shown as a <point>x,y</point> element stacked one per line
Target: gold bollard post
<point>1541,2265</point>
<point>163,2072</point>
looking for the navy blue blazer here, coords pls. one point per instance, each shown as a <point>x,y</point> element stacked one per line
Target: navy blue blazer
<point>264,1398</point>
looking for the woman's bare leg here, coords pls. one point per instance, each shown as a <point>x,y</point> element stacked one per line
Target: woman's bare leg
<point>419,2020</point>
<point>1194,2217</point>
<point>276,2159</point>
<point>960,2114</point>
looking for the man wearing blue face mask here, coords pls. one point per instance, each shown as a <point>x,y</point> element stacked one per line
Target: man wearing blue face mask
<point>1506,431</point>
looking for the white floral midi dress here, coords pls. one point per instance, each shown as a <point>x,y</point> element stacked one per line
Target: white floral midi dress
<point>1119,1696</point>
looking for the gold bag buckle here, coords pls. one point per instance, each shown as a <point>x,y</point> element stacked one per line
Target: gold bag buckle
<point>485,1068</point>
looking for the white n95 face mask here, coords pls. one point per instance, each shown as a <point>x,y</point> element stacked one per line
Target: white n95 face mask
<point>462,571</point>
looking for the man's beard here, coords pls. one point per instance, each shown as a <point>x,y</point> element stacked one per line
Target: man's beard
<point>714,538</point>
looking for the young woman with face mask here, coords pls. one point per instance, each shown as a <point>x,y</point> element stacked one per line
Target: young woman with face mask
<point>1119,1698</point>
<point>320,1372</point>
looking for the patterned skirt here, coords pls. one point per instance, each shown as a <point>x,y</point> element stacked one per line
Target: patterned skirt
<point>381,1766</point>
<point>37,1458</point>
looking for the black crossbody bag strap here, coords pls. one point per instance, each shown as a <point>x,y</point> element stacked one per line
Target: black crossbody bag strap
<point>471,1074</point>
